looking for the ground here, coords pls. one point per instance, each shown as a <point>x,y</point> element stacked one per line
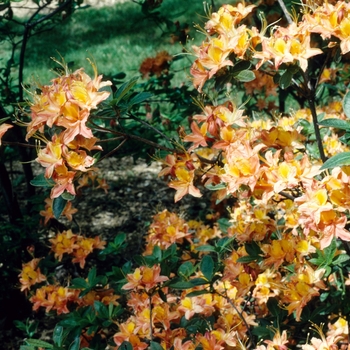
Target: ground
<point>135,194</point>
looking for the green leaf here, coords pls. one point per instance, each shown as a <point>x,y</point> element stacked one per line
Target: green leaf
<point>186,269</point>
<point>286,79</point>
<point>92,276</point>
<point>39,343</point>
<point>272,305</point>
<point>57,335</point>
<point>330,251</point>
<point>139,98</point>
<point>42,181</point>
<point>123,90</point>
<point>206,248</point>
<point>119,239</point>
<point>340,259</point>
<point>196,293</point>
<point>215,187</point>
<point>335,123</point>
<point>79,283</point>
<point>224,224</point>
<point>157,253</point>
<point>346,104</point>
<point>155,346</point>
<point>125,345</point>
<point>240,66</point>
<point>207,267</point>
<point>245,76</point>
<point>58,206</point>
<point>75,345</point>
<point>198,281</point>
<point>101,309</point>
<point>246,259</point>
<point>181,285</point>
<point>339,159</point>
<point>253,249</point>
<point>67,196</point>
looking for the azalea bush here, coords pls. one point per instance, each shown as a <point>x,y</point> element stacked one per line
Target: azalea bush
<point>268,266</point>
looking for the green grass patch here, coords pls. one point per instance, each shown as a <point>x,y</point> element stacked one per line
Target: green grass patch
<point>118,38</point>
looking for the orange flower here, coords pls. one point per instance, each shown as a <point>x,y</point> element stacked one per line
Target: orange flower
<point>54,298</point>
<point>64,181</point>
<point>3,129</point>
<point>128,332</point>
<point>30,275</point>
<point>64,242</point>
<point>144,277</point>
<point>47,213</point>
<point>184,184</point>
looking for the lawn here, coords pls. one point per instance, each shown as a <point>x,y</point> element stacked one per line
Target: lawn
<point>116,37</point>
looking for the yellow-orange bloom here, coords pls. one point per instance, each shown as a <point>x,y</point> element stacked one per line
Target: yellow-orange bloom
<point>144,277</point>
<point>30,275</point>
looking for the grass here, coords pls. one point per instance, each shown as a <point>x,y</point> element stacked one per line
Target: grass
<point>117,38</point>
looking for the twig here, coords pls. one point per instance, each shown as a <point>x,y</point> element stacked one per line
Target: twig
<point>10,143</point>
<point>285,12</point>
<point>251,341</point>
<point>113,150</point>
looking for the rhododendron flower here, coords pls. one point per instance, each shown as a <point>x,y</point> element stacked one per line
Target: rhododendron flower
<point>286,46</point>
<point>203,304</point>
<point>128,332</point>
<point>184,184</point>
<point>64,242</point>
<point>30,275</point>
<point>68,211</point>
<point>279,341</point>
<point>144,277</point>
<point>64,181</point>
<point>54,298</point>
<point>51,156</point>
<point>209,341</point>
<point>198,136</point>
<point>76,245</point>
<point>3,129</point>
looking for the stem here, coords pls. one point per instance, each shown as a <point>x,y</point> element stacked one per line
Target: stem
<point>317,129</point>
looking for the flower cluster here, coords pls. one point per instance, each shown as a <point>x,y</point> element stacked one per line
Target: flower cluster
<point>30,275</point>
<point>76,245</point>
<point>229,39</point>
<point>65,107</point>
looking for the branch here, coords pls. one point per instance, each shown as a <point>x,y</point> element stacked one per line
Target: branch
<point>113,150</point>
<point>251,341</point>
<point>151,127</point>
<point>317,129</point>
<point>138,138</point>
